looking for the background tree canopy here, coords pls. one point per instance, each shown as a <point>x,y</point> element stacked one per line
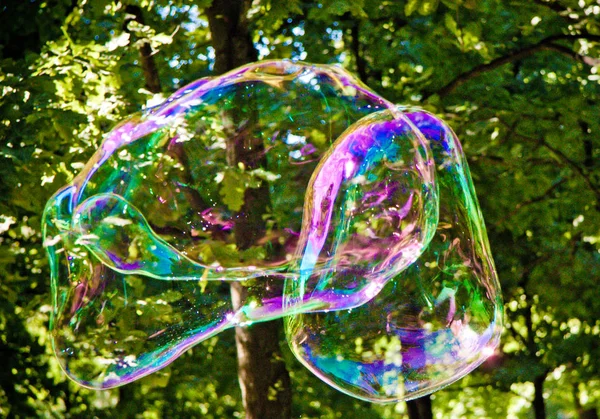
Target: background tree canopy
<point>518,81</point>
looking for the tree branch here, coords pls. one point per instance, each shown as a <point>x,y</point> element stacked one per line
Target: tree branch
<point>531,201</point>
<point>573,165</point>
<point>546,44</point>
<point>562,11</point>
<point>558,153</point>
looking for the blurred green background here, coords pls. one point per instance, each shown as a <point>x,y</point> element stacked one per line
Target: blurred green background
<point>517,80</point>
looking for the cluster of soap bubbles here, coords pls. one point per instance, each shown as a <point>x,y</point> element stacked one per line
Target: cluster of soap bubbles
<point>353,218</point>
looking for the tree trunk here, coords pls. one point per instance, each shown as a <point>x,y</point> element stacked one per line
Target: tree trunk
<point>587,413</point>
<point>264,379</point>
<point>229,30</point>
<point>361,64</point>
<point>146,58</point>
<point>583,412</point>
<point>126,408</point>
<point>539,407</point>
<point>420,408</point>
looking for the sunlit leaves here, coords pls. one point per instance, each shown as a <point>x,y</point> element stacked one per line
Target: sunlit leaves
<point>424,7</point>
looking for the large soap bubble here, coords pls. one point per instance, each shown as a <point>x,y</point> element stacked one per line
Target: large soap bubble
<point>432,323</point>
<point>275,173</point>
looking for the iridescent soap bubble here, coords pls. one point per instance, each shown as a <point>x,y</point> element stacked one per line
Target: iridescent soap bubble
<point>144,241</point>
<point>433,322</point>
<point>276,173</point>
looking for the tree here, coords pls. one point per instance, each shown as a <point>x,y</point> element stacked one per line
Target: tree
<point>264,379</point>
<point>517,81</point>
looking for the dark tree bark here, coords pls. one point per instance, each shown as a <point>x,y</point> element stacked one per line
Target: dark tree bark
<point>229,29</point>
<point>588,413</point>
<point>588,146</point>
<point>146,58</point>
<point>126,408</point>
<point>264,379</point>
<point>539,407</point>
<point>588,150</point>
<point>420,408</point>
<point>361,64</point>
<point>582,412</point>
<point>546,44</point>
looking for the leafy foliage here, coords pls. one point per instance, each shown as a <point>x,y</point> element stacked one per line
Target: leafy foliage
<point>517,80</point>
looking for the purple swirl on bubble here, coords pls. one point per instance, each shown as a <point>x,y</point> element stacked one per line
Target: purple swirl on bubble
<point>370,240</point>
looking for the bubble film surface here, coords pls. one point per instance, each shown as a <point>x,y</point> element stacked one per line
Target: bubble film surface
<point>353,217</point>
<point>433,322</point>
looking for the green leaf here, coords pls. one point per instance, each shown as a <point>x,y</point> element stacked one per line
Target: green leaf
<point>451,24</point>
<point>452,4</point>
<point>234,185</point>
<point>232,190</point>
<point>254,253</point>
<point>428,7</point>
<point>411,7</point>
<point>225,254</point>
